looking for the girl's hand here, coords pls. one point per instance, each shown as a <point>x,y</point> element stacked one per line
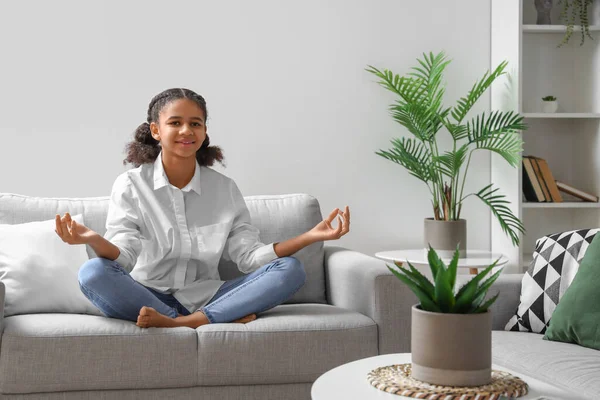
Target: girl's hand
<point>324,230</point>
<point>71,232</point>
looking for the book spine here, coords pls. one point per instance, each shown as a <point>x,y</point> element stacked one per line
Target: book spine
<point>528,189</point>
<point>528,167</point>
<point>540,178</point>
<point>549,179</point>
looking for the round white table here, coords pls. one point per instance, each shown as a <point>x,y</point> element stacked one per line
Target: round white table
<point>418,257</point>
<point>349,381</point>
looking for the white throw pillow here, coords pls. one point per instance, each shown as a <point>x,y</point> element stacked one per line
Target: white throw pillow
<point>40,271</point>
<point>556,260</point>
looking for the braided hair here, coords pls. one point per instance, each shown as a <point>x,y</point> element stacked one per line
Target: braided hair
<point>144,148</point>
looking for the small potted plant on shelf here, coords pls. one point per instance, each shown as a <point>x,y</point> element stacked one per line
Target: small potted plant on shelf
<point>451,334</point>
<point>549,104</point>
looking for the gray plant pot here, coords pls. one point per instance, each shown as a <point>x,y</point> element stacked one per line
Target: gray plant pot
<point>451,349</point>
<point>443,236</point>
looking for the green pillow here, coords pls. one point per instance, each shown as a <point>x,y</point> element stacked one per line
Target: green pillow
<point>576,318</point>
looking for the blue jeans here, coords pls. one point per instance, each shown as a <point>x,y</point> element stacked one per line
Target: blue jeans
<point>114,292</point>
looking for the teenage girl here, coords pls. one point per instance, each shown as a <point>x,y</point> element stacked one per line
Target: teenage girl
<point>171,219</point>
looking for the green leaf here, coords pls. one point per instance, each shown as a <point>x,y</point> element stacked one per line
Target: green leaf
<point>427,304</point>
<point>465,103</point>
<point>474,282</point>
<point>477,300</point>
<point>499,133</point>
<point>418,118</point>
<point>509,223</point>
<point>485,286</point>
<point>435,262</point>
<point>458,132</point>
<point>464,298</point>
<point>483,308</point>
<point>452,161</point>
<point>453,268</point>
<point>412,155</point>
<point>425,283</point>
<point>443,291</point>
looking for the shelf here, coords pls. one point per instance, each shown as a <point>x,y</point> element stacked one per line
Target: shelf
<point>566,204</point>
<point>561,115</point>
<point>555,28</point>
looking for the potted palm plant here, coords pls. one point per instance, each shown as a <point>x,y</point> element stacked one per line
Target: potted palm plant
<point>419,108</point>
<point>451,332</point>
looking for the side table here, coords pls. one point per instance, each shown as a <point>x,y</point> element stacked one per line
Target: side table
<point>418,257</point>
<point>349,381</point>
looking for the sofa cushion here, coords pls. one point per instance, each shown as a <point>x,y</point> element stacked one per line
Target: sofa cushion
<point>282,217</point>
<point>569,366</point>
<point>577,316</point>
<point>555,262</point>
<point>278,217</point>
<point>291,343</point>
<point>34,260</point>
<point>60,352</point>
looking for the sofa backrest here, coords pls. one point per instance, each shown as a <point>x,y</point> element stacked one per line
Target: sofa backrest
<point>278,217</point>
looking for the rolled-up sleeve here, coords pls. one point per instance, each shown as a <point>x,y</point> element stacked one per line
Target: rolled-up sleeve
<point>243,245</point>
<point>122,223</point>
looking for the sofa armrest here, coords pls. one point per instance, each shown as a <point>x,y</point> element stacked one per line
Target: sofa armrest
<point>505,306</point>
<point>361,283</point>
<point>2,294</point>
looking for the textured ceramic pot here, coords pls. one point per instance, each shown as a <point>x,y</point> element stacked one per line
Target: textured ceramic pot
<point>451,349</point>
<point>549,106</point>
<point>443,236</point>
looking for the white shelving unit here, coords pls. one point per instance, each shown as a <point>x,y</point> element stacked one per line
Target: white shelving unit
<point>566,204</point>
<point>569,139</point>
<point>532,28</point>
<point>566,115</point>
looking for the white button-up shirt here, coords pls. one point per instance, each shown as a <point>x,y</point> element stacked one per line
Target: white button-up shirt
<point>172,239</point>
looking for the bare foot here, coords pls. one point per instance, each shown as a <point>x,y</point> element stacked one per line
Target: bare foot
<point>150,318</point>
<point>246,319</point>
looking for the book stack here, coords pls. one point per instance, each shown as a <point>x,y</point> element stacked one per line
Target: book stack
<point>540,186</point>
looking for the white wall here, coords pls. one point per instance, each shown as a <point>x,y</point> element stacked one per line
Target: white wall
<point>288,97</point>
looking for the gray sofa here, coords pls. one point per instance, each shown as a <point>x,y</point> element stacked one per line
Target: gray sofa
<point>346,310</point>
<point>351,307</point>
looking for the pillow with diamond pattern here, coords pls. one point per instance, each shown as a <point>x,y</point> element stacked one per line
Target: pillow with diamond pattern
<point>555,262</point>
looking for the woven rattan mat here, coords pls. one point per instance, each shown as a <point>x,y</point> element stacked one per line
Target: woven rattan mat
<point>397,379</point>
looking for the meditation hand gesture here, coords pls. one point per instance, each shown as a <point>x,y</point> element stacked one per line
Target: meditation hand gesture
<point>324,230</point>
<point>71,232</point>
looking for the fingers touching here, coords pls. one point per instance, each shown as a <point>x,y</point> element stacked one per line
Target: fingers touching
<point>64,226</point>
<point>343,221</point>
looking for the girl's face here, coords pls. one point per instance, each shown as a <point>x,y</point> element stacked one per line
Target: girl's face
<point>181,128</point>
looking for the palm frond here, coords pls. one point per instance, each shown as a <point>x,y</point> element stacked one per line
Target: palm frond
<point>421,121</point>
<point>499,133</point>
<point>509,223</point>
<point>409,89</point>
<point>465,103</point>
<point>452,161</point>
<point>458,132</point>
<point>412,155</point>
<point>431,72</point>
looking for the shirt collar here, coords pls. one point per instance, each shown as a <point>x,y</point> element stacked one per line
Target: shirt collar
<point>160,177</point>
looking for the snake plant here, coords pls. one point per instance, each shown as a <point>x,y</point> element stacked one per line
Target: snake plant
<point>419,108</point>
<point>440,295</point>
